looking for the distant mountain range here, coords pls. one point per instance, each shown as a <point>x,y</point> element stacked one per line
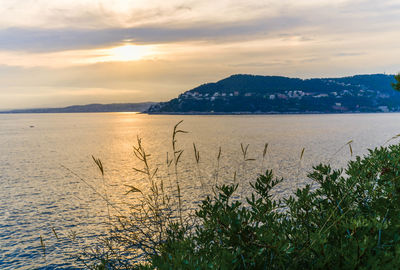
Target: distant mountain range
<point>275,94</point>
<point>115,107</point>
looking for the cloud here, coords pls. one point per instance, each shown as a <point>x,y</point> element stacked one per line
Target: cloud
<point>161,79</point>
<point>88,13</point>
<point>45,40</point>
<point>99,26</point>
<point>129,13</point>
<point>45,45</point>
<point>349,54</point>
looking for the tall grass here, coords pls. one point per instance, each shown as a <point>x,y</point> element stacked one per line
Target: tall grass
<point>136,235</point>
<point>229,229</point>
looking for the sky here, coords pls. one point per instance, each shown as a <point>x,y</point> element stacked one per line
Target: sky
<point>65,52</point>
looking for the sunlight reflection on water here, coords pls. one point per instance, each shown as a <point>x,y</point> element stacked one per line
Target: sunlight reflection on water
<point>37,193</point>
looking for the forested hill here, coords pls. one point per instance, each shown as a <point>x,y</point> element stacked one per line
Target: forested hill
<point>276,94</point>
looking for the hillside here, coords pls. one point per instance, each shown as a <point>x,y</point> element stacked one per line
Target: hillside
<point>275,94</point>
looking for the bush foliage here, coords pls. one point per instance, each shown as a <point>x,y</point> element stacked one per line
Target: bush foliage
<point>349,220</point>
<point>396,86</point>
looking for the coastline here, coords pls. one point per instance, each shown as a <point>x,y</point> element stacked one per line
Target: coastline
<point>263,113</point>
<point>206,113</point>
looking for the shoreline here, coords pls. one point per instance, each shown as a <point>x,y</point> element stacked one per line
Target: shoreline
<point>207,113</point>
<point>262,113</point>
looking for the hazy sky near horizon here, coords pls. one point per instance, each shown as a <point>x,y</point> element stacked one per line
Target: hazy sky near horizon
<point>64,52</point>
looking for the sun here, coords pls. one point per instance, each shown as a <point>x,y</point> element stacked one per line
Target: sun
<point>124,53</point>
<point>129,52</point>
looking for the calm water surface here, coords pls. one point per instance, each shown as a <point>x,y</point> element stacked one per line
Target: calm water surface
<point>38,192</point>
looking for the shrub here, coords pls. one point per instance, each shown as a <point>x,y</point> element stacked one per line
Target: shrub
<point>396,86</point>
<point>349,220</point>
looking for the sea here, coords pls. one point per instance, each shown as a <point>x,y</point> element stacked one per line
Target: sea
<point>52,192</point>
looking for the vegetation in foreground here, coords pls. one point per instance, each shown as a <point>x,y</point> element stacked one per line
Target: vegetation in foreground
<point>349,220</point>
